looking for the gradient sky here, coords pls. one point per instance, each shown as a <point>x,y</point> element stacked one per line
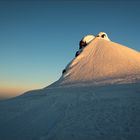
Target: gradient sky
<point>38,38</point>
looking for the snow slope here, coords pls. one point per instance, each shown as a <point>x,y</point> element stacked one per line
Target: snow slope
<point>98,98</point>
<point>73,113</point>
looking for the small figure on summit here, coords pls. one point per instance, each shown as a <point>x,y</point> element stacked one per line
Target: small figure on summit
<point>103,35</point>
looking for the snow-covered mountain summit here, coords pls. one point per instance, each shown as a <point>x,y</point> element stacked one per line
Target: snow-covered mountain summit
<point>102,61</point>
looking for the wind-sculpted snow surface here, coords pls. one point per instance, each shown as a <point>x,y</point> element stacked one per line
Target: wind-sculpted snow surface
<point>97,98</point>
<point>73,113</point>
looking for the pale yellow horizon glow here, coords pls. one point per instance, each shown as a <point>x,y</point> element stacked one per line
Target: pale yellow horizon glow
<point>12,90</point>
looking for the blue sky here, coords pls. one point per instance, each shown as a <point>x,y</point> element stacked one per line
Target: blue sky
<point>38,38</point>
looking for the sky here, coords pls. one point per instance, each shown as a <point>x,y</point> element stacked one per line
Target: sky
<point>39,38</point>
